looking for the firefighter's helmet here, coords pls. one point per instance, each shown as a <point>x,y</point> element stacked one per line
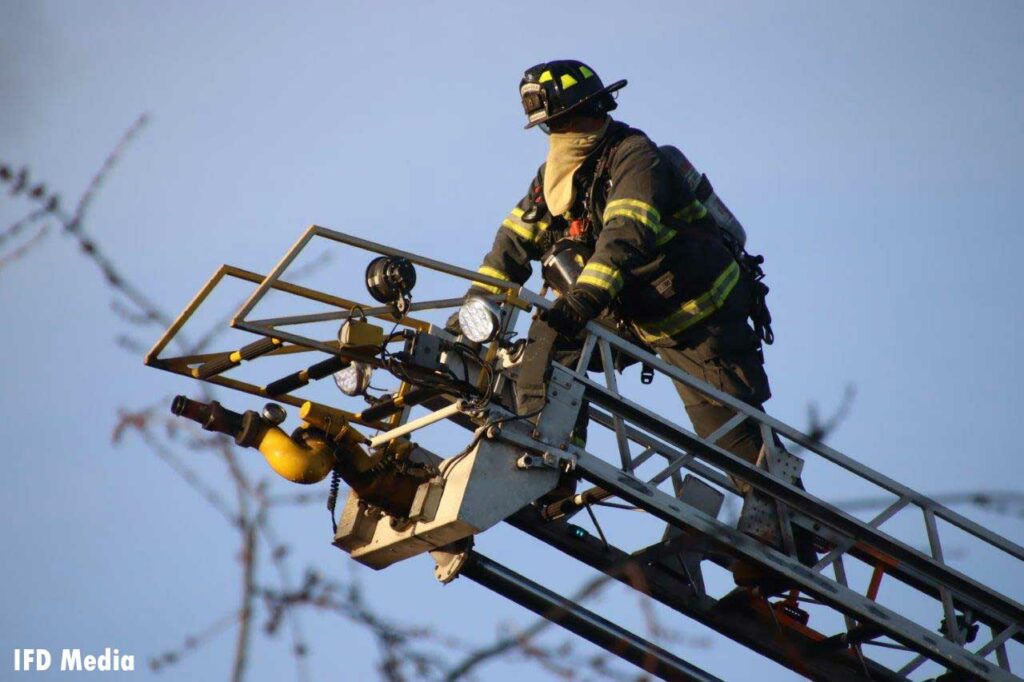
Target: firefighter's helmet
<point>554,89</point>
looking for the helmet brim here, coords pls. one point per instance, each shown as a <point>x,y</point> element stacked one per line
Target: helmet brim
<point>617,85</point>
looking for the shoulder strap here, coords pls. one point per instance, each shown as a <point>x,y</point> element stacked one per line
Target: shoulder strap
<point>615,137</point>
<point>599,178</point>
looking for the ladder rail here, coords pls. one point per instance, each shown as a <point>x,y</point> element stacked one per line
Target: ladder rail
<point>622,346</point>
<point>941,574</point>
<point>667,508</point>
<point>801,652</point>
<point>802,439</point>
<point>930,574</point>
<point>901,572</point>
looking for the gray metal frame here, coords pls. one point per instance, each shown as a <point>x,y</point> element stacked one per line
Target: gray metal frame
<point>635,425</point>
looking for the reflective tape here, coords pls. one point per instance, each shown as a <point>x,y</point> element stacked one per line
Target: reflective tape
<point>695,211</point>
<point>528,231</point>
<point>602,277</point>
<point>491,272</point>
<point>693,311</point>
<point>568,81</point>
<point>666,236</point>
<point>635,209</point>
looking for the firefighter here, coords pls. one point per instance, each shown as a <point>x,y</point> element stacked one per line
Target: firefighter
<point>659,262</point>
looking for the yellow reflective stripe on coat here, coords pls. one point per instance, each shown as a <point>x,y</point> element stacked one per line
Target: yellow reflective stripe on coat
<point>491,272</point>
<point>528,231</point>
<point>695,211</point>
<point>602,277</point>
<point>637,210</point>
<point>693,311</point>
<point>636,203</point>
<point>665,237</point>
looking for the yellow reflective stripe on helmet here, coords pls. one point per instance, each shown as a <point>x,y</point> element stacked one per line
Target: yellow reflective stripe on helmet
<point>695,211</point>
<point>587,73</point>
<point>602,277</point>
<point>491,272</point>
<point>529,231</point>
<point>568,81</point>
<point>637,210</point>
<point>693,311</point>
<point>545,77</point>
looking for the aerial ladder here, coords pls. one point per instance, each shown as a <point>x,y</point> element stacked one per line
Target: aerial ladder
<point>526,469</point>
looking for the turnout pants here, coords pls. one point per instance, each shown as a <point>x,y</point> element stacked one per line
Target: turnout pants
<point>727,356</point>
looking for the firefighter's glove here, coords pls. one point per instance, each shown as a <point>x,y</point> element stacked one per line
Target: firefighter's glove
<point>571,312</point>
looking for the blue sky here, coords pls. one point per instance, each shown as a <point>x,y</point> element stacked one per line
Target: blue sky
<point>874,152</point>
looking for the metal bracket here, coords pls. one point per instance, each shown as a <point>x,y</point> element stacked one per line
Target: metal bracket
<point>450,559</point>
<point>761,516</point>
<point>547,460</point>
<point>425,351</point>
<point>564,402</point>
<point>693,492</point>
<point>426,500</point>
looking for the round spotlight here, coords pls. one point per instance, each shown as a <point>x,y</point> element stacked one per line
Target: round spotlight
<point>478,319</point>
<point>390,279</point>
<point>354,379</point>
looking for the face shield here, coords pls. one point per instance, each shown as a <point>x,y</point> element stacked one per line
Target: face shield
<point>535,104</point>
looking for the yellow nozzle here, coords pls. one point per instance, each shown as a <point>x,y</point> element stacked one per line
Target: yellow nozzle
<point>308,462</point>
<point>307,458</point>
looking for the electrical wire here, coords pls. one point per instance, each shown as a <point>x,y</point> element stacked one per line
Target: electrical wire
<point>616,505</point>
<point>474,399</point>
<point>332,496</point>
<point>449,464</point>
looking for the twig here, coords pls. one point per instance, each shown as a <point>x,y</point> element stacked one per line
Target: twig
<point>477,658</point>
<point>17,226</point>
<point>218,328</point>
<point>139,422</point>
<point>101,175</point>
<point>24,248</point>
<point>1005,502</point>
<point>193,642</point>
<point>248,596</point>
<point>819,430</point>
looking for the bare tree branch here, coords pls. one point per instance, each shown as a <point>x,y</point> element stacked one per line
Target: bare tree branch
<point>398,654</point>
<point>24,248</point>
<point>192,643</point>
<point>500,647</point>
<point>1004,502</point>
<point>17,226</point>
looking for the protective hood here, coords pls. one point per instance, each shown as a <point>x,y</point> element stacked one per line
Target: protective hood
<point>566,153</point>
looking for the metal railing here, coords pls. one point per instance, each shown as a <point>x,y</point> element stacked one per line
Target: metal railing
<point>963,599</point>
